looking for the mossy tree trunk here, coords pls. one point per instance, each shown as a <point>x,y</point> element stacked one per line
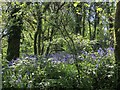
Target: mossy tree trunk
<point>14,30</point>
<point>117,43</point>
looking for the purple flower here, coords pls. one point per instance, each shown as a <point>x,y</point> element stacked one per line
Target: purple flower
<point>111,48</point>
<point>84,52</point>
<point>100,52</point>
<point>10,63</point>
<point>81,59</point>
<point>93,56</point>
<point>34,57</point>
<point>66,58</point>
<point>109,51</point>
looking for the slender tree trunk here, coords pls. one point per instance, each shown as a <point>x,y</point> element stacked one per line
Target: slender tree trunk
<point>84,16</point>
<point>35,43</point>
<point>78,20</point>
<point>37,36</point>
<point>90,33</point>
<point>42,42</point>
<point>77,24</point>
<point>39,29</point>
<point>95,24</point>
<point>90,29</point>
<point>117,45</point>
<point>51,36</point>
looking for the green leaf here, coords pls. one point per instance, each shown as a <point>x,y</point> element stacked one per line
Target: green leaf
<point>99,9</point>
<point>75,4</point>
<point>18,3</point>
<point>22,5</point>
<point>87,5</point>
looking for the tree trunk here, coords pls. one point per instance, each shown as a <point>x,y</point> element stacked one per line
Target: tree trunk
<point>35,43</point>
<point>37,36</point>
<point>50,40</point>
<point>15,34</point>
<point>84,16</point>
<point>95,23</point>
<point>117,45</point>
<point>90,32</point>
<point>39,29</point>
<point>78,22</point>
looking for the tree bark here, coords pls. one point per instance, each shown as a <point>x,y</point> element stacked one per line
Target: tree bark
<point>90,31</point>
<point>15,34</point>
<point>37,36</point>
<point>50,40</point>
<point>35,43</point>
<point>84,16</point>
<point>39,29</point>
<point>95,23</point>
<point>38,41</point>
<point>117,43</point>
<point>78,22</point>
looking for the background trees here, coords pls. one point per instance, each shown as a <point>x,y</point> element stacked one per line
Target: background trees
<point>60,40</point>
<point>42,22</point>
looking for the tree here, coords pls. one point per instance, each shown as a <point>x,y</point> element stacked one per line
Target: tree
<point>39,34</point>
<point>117,45</point>
<point>15,28</point>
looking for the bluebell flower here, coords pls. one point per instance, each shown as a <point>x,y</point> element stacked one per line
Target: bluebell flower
<point>109,51</point>
<point>81,58</point>
<point>67,56</point>
<point>33,57</point>
<point>84,52</point>
<point>93,56</point>
<point>10,63</point>
<point>65,59</point>
<point>100,52</point>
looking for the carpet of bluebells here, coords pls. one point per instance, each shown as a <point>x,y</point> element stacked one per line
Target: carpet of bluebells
<point>95,71</point>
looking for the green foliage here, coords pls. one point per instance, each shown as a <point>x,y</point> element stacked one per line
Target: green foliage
<point>75,4</point>
<point>46,73</point>
<point>75,60</point>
